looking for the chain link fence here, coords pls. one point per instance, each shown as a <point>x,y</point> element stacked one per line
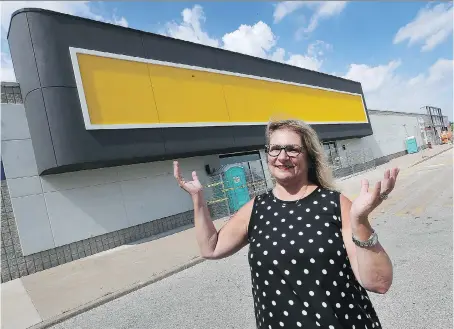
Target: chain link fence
<point>10,93</point>
<point>226,198</point>
<point>352,162</point>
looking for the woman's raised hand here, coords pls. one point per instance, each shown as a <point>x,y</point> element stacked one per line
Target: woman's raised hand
<point>192,187</point>
<point>368,200</point>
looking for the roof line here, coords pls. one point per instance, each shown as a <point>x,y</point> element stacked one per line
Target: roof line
<point>399,112</point>
<point>27,9</point>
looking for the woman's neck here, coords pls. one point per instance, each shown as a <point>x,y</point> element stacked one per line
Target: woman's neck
<point>294,190</point>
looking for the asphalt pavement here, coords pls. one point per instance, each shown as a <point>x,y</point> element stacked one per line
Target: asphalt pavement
<point>414,225</point>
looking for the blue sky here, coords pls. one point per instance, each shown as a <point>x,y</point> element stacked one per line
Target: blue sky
<point>401,52</point>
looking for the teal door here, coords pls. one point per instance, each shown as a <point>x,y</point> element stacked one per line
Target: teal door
<point>412,145</point>
<point>236,187</point>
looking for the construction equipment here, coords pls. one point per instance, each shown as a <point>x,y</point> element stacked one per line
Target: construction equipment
<point>446,137</point>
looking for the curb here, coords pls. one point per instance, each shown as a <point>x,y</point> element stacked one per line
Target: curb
<point>113,295</point>
<point>430,157</point>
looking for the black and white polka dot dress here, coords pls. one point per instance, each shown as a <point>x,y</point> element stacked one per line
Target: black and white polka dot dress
<point>301,274</point>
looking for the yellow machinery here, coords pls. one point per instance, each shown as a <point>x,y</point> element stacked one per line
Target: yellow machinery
<point>446,137</point>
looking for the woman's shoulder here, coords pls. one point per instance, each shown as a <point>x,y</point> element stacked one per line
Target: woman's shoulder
<point>329,191</point>
<point>335,195</point>
<point>264,194</point>
<point>263,197</point>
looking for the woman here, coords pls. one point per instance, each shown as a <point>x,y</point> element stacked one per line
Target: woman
<point>312,254</point>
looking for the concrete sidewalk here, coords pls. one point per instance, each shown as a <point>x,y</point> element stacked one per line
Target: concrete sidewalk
<point>51,296</point>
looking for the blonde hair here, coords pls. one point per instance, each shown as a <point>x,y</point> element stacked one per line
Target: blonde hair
<point>319,171</point>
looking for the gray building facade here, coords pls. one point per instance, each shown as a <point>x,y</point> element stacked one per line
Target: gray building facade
<point>69,192</point>
<point>39,42</point>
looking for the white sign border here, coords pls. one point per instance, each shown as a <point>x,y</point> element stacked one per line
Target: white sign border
<point>86,116</point>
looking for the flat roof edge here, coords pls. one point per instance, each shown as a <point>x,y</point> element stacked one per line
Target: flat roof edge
<point>41,10</point>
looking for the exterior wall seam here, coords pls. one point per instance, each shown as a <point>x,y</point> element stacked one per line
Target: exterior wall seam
<point>146,55</point>
<point>47,212</point>
<point>41,91</point>
<point>123,202</point>
<point>47,87</point>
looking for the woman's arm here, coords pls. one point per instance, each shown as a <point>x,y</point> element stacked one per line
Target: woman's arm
<point>230,238</point>
<point>213,244</point>
<point>372,266</point>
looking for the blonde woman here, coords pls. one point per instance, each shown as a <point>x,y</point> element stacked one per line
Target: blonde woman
<point>313,254</point>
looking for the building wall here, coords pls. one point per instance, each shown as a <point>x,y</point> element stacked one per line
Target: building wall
<point>47,79</point>
<point>15,264</point>
<point>50,220</point>
<point>387,142</point>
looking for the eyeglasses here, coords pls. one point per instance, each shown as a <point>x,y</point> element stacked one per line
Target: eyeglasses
<point>291,150</point>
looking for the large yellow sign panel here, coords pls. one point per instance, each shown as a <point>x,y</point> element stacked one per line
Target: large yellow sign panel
<point>123,92</point>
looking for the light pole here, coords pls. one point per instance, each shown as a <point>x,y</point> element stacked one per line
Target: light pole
<point>405,127</point>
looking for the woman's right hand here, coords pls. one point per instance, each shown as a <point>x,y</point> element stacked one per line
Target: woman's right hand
<point>192,187</point>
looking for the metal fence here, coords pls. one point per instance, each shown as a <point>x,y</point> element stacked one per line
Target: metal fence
<point>11,93</point>
<point>352,162</point>
<point>221,195</point>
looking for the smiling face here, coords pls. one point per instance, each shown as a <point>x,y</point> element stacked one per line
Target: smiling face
<point>286,156</point>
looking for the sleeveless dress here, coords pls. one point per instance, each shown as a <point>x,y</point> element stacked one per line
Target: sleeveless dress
<point>301,274</point>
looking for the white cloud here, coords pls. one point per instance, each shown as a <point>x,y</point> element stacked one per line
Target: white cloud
<point>320,10</point>
<point>318,48</point>
<point>372,78</point>
<point>431,26</point>
<point>119,21</point>
<point>278,55</point>
<point>312,60</point>
<point>325,9</point>
<point>304,61</point>
<point>385,89</point>
<point>441,71</point>
<point>285,8</point>
<point>255,40</point>
<point>191,27</point>
<point>78,8</point>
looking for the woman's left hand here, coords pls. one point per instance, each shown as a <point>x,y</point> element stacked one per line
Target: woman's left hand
<point>367,200</point>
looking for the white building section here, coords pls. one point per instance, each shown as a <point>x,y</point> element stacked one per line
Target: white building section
<point>56,210</point>
<point>391,130</point>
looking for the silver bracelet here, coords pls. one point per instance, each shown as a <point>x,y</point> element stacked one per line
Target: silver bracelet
<point>372,241</point>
